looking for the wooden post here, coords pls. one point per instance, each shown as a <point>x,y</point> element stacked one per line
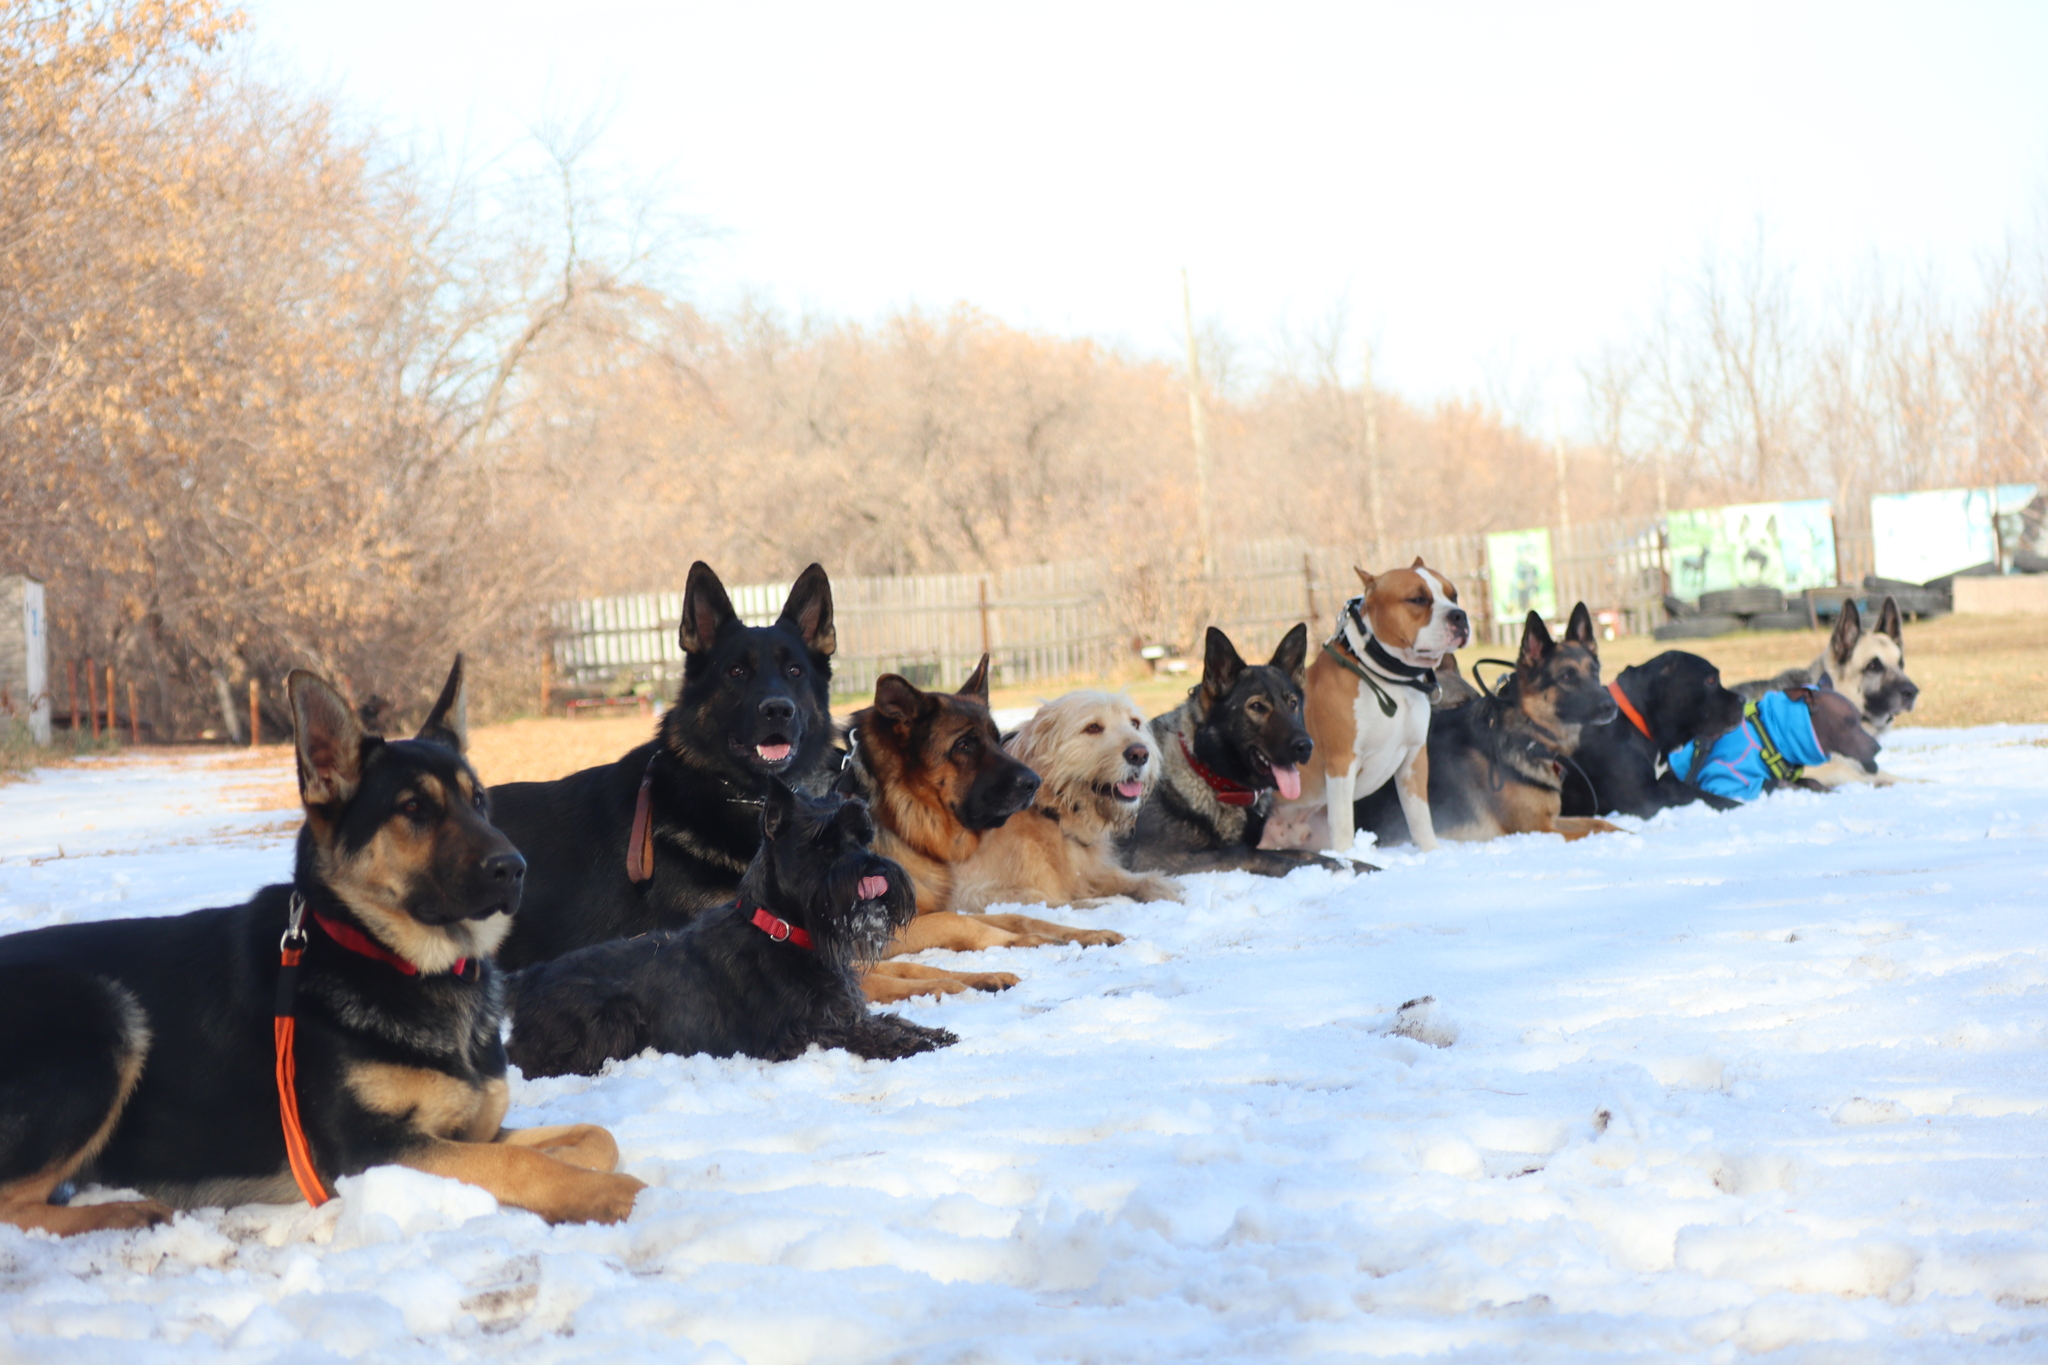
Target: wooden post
<point>1198,420</point>
<point>547,676</point>
<point>1376,521</point>
<point>74,698</point>
<point>113,708</point>
<point>1308,583</point>
<point>984,619</point>
<point>92,696</point>
<point>1835,527</point>
<point>255,716</point>
<point>134,722</point>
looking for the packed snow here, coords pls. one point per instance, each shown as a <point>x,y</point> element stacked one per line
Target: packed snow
<point>1768,1081</point>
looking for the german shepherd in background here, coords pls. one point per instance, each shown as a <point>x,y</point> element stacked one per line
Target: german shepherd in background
<point>1224,752</point>
<point>1866,666</point>
<point>754,708</point>
<point>1496,765</point>
<point>140,1052</point>
<point>932,767</point>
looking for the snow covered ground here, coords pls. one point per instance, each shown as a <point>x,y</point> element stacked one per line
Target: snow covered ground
<point>1770,1081</point>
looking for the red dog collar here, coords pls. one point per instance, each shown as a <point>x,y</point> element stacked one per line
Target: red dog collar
<point>1628,708</point>
<point>1228,792</point>
<point>356,941</point>
<point>781,930</point>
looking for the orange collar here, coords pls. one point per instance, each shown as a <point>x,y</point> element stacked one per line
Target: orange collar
<point>1628,708</point>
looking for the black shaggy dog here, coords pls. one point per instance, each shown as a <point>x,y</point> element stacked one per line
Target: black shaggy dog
<point>1673,700</point>
<point>665,832</point>
<point>1223,752</point>
<point>765,976</point>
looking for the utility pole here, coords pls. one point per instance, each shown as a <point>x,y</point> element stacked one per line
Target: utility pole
<point>1199,421</point>
<point>1370,398</point>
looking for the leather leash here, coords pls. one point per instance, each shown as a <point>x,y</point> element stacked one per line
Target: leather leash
<point>640,843</point>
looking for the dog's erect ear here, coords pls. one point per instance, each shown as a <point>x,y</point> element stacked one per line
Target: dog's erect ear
<point>448,723</point>
<point>1417,564</point>
<point>976,686</point>
<point>1888,621</point>
<point>778,808</point>
<point>853,818</point>
<point>897,700</point>
<point>1536,645</point>
<point>1825,682</point>
<point>706,610</point>
<point>1292,656</point>
<point>1579,630</point>
<point>1220,666</point>
<point>808,610</point>
<point>1365,579</point>
<point>329,740</point>
<point>1848,630</point>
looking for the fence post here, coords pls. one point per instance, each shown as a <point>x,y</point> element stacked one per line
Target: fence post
<point>984,616</point>
<point>134,723</point>
<point>1308,582</point>
<point>74,698</point>
<point>113,709</point>
<point>92,695</point>
<point>255,716</point>
<point>1835,527</point>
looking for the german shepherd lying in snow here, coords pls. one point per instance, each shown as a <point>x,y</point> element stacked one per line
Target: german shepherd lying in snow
<point>141,1052</point>
<point>666,832</point>
<point>1225,751</point>
<point>767,976</point>
<point>1096,765</point>
<point>1866,666</point>
<point>1496,765</point>
<point>931,766</point>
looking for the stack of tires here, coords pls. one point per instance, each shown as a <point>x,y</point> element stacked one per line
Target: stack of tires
<point>1734,609</point>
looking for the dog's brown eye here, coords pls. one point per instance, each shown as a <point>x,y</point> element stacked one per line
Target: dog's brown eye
<point>410,806</point>
<point>736,671</point>
<point>1093,727</point>
<point>795,671</point>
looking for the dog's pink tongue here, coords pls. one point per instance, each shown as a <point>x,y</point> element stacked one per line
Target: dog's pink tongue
<point>1289,782</point>
<point>873,888</point>
<point>1130,791</point>
<point>774,753</point>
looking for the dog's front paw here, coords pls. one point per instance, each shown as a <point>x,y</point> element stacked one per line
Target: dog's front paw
<point>597,1198</point>
<point>1095,938</point>
<point>1152,888</point>
<point>990,981</point>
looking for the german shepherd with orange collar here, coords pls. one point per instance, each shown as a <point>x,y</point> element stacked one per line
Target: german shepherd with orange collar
<point>142,1053</point>
<point>1497,763</point>
<point>932,768</point>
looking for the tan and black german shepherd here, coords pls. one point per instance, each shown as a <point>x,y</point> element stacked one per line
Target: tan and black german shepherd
<point>1496,763</point>
<point>142,1052</point>
<point>932,768</point>
<point>1866,666</point>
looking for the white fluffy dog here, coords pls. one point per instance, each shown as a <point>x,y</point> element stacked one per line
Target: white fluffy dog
<point>1096,765</point>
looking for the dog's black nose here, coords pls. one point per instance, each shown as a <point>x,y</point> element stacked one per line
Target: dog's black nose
<point>777,709</point>
<point>508,868</point>
<point>1303,749</point>
<point>1457,619</point>
<point>1136,755</point>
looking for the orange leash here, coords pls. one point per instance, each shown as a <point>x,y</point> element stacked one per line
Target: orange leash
<point>291,948</point>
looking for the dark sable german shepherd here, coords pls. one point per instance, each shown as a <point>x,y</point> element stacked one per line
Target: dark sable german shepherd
<point>767,976</point>
<point>1673,700</point>
<point>1497,764</point>
<point>932,767</point>
<point>666,832</point>
<point>1223,752</point>
<point>141,1052</point>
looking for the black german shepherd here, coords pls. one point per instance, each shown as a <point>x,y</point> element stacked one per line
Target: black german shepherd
<point>1673,700</point>
<point>142,1052</point>
<point>666,832</point>
<point>1223,752</point>
<point>767,976</point>
<point>1497,763</point>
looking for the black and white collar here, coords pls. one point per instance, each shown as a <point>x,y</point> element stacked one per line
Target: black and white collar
<point>1370,653</point>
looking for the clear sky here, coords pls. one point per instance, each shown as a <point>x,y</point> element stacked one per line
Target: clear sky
<point>1494,191</point>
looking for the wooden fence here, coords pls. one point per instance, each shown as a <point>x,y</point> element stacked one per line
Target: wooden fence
<point>1088,618</point>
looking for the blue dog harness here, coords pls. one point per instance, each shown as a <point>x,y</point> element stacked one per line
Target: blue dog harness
<point>1774,741</point>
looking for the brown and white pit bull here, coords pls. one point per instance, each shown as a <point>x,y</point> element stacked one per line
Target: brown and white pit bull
<point>1369,691</point>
